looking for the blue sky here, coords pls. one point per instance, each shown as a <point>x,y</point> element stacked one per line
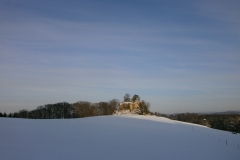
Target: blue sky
<point>181,56</point>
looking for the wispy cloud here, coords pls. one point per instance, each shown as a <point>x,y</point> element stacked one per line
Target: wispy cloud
<point>183,52</point>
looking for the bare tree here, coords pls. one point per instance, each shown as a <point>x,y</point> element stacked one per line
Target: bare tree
<point>114,104</point>
<point>23,113</point>
<point>144,107</point>
<point>104,108</point>
<point>83,109</point>
<point>126,98</point>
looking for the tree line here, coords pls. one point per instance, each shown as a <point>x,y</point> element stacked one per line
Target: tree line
<point>79,109</point>
<point>226,122</point>
<point>65,110</point>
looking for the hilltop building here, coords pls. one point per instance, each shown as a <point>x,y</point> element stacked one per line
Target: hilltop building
<point>129,105</point>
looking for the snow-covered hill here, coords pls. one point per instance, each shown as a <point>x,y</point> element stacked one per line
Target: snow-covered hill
<point>114,137</point>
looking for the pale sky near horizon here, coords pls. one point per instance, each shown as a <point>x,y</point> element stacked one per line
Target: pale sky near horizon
<point>181,56</point>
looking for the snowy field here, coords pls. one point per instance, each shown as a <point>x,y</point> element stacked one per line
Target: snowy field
<point>114,137</point>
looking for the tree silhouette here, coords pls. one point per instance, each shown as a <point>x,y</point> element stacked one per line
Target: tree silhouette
<point>126,98</point>
<point>135,98</point>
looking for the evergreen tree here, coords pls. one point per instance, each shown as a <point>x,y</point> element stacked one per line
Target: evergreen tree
<point>10,115</point>
<point>135,98</point>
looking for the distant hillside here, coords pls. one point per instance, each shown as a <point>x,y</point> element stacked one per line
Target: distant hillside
<point>204,113</point>
<point>222,113</point>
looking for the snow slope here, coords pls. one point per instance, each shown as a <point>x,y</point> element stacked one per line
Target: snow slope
<point>114,137</point>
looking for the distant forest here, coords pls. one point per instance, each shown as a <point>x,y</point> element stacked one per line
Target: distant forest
<point>226,122</point>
